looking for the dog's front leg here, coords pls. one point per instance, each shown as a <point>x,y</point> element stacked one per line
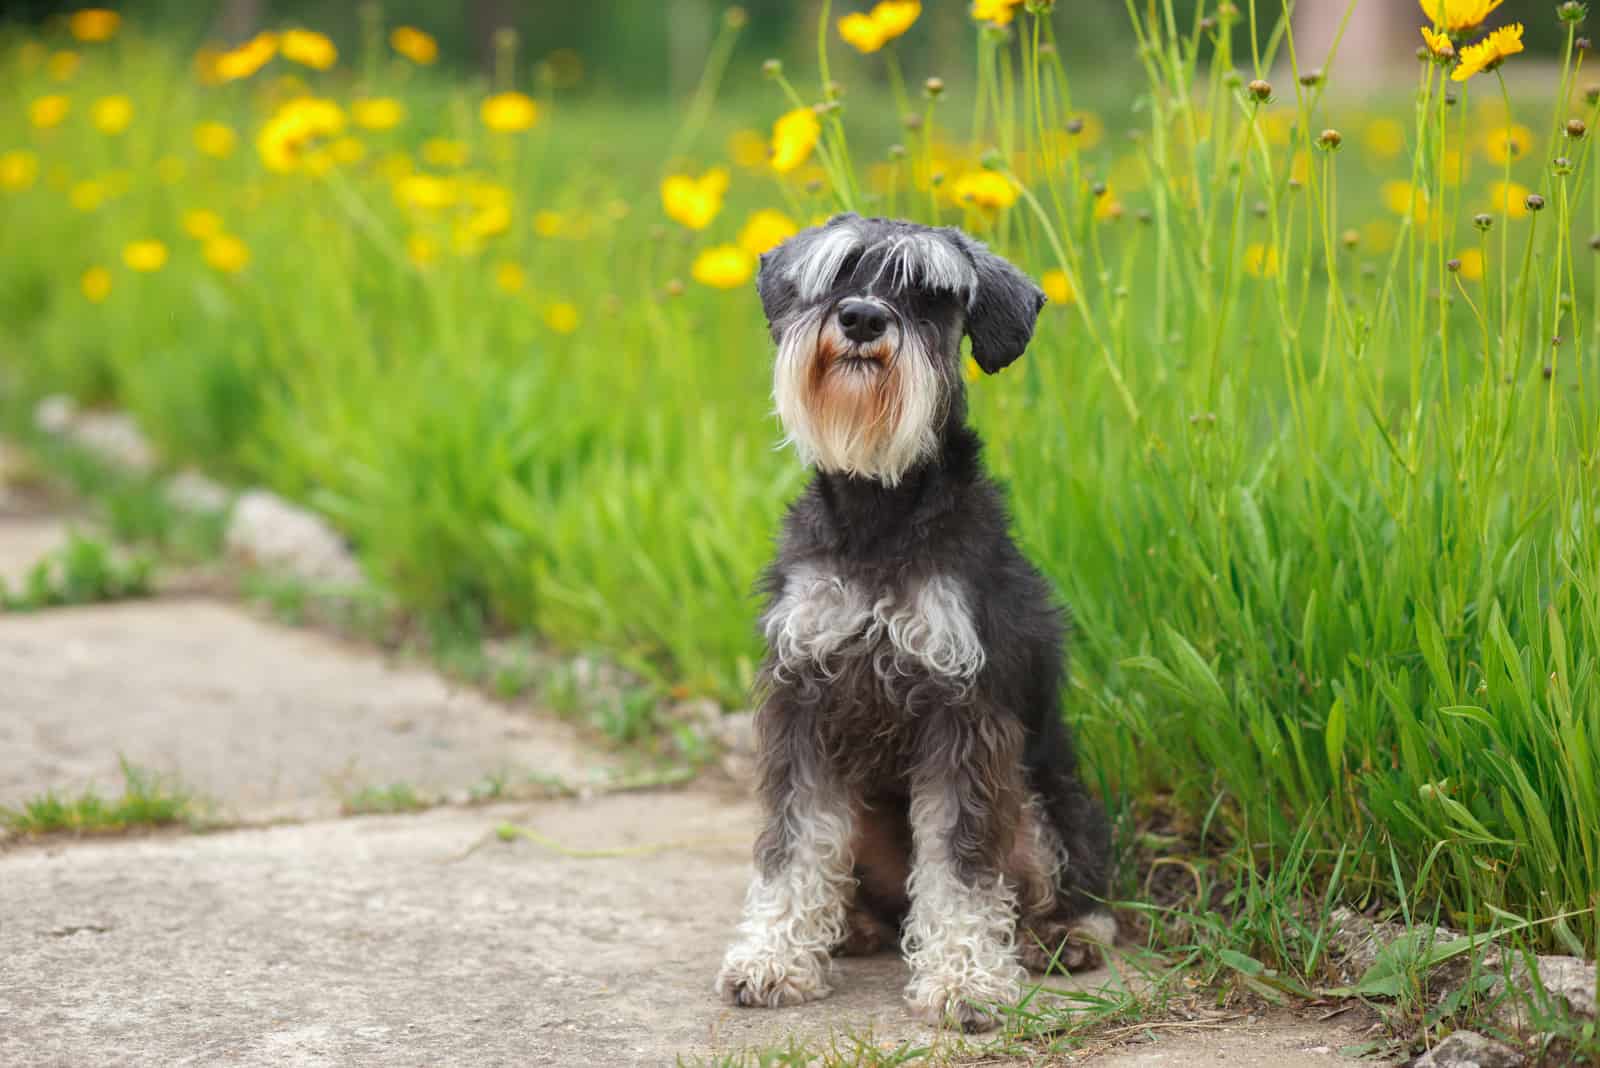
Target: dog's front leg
<point>794,913</point>
<point>966,803</point>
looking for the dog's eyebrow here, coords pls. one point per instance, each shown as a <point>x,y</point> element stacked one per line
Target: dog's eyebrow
<point>814,265</point>
<point>928,261</point>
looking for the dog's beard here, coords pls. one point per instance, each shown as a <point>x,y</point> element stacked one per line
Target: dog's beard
<point>869,410</point>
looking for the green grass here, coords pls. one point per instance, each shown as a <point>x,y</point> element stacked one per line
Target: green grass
<point>1330,530</point>
<point>83,571</point>
<point>146,801</point>
<point>385,800</point>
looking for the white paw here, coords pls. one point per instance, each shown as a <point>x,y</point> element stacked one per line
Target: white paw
<point>757,983</point>
<point>970,1008</point>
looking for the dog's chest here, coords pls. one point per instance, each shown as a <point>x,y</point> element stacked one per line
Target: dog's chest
<point>827,626</point>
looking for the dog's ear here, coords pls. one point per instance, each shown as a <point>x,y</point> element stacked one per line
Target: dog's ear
<point>1003,307</point>
<point>778,293</point>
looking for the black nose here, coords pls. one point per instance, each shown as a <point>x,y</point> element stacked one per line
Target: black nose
<point>862,320</point>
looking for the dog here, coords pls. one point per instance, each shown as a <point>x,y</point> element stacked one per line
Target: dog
<point>915,774</point>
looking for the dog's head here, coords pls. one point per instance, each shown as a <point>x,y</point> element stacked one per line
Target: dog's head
<point>868,315</point>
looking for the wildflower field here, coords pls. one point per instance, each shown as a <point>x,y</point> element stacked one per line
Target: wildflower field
<point>1307,437</point>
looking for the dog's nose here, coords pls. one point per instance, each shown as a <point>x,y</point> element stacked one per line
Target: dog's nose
<point>862,320</point>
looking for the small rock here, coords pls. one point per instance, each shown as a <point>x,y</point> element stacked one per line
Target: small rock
<point>1468,1049</point>
<point>191,491</point>
<point>267,531</point>
<point>1565,980</point>
<point>55,414</point>
<point>115,438</point>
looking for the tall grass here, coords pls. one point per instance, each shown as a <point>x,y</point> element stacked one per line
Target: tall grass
<point>1321,497</point>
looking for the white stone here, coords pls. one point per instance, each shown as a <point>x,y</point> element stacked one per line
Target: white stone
<point>268,532</point>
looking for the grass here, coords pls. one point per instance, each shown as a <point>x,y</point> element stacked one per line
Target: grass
<point>385,800</point>
<point>83,571</point>
<point>146,801</point>
<point>1297,439</point>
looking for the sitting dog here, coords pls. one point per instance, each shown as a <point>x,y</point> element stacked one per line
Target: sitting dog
<point>916,776</point>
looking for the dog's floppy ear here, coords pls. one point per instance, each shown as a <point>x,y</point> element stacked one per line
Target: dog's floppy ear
<point>778,293</point>
<point>1002,309</point>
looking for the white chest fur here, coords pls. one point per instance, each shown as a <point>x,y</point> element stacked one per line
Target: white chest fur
<point>821,618</point>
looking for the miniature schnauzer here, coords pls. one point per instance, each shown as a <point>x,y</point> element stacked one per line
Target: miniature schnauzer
<point>917,779</point>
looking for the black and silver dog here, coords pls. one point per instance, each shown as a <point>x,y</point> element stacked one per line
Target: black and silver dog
<point>916,775</point>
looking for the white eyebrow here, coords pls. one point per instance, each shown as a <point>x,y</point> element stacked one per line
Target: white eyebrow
<point>909,259</point>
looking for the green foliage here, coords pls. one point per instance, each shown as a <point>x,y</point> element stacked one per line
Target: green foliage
<point>84,571</point>
<point>383,800</point>
<point>146,801</point>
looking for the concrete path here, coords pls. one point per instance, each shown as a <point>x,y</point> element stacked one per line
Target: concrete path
<point>589,938</point>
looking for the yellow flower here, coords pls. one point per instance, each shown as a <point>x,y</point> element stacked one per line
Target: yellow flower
<point>562,317</point>
<point>145,256</point>
<point>491,216</point>
<point>999,12</point>
<point>985,189</point>
<point>242,62</point>
<point>422,250</point>
<point>417,46</point>
<point>1509,198</point>
<point>442,152</point>
<point>1403,198</point>
<point>96,284</point>
<point>1489,53</point>
<point>1261,261</point>
<point>202,224</point>
<point>87,196</point>
<point>509,112</point>
<point>1509,142</point>
<point>861,32</point>
<point>378,113</point>
<point>309,49</point>
<point>510,277</point>
<point>1458,15</point>
<point>63,65</point>
<point>49,111</point>
<point>549,223</point>
<point>1472,264</point>
<point>694,202</point>
<point>288,138</point>
<point>215,139</point>
<point>19,169</point>
<point>794,135</point>
<point>1384,138</point>
<point>748,149</point>
<point>970,369</point>
<point>895,17</point>
<point>94,24</point>
<point>1058,287</point>
<point>111,115</point>
<point>723,267</point>
<point>766,230</point>
<point>426,191</point>
<point>1439,44</point>
<point>1378,236</point>
<point>227,254</point>
<point>347,150</point>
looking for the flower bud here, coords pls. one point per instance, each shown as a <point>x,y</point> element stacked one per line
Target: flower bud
<point>1312,78</point>
<point>814,186</point>
<point>897,151</point>
<point>1074,126</point>
<point>1562,166</point>
<point>1330,139</point>
<point>1576,128</point>
<point>932,88</point>
<point>674,287</point>
<point>1483,221</point>
<point>1572,11</point>
<point>1228,12</point>
<point>912,122</point>
<point>991,160</point>
<point>1260,91</point>
<point>735,18</point>
<point>1232,79</point>
<point>1098,189</point>
<point>1351,238</point>
<point>1535,202</point>
<point>1208,24</point>
<point>1594,243</point>
<point>1453,266</point>
<point>772,68</point>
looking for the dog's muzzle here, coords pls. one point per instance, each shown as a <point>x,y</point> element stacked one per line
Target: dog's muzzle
<point>862,321</point>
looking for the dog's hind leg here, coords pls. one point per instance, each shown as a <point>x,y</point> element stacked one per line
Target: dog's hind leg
<point>1066,850</point>
<point>795,912</point>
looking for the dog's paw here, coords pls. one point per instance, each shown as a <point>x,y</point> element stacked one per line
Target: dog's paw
<point>1077,946</point>
<point>766,984</point>
<point>955,1010</point>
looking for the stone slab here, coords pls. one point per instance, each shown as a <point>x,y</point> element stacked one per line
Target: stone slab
<point>263,719</point>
